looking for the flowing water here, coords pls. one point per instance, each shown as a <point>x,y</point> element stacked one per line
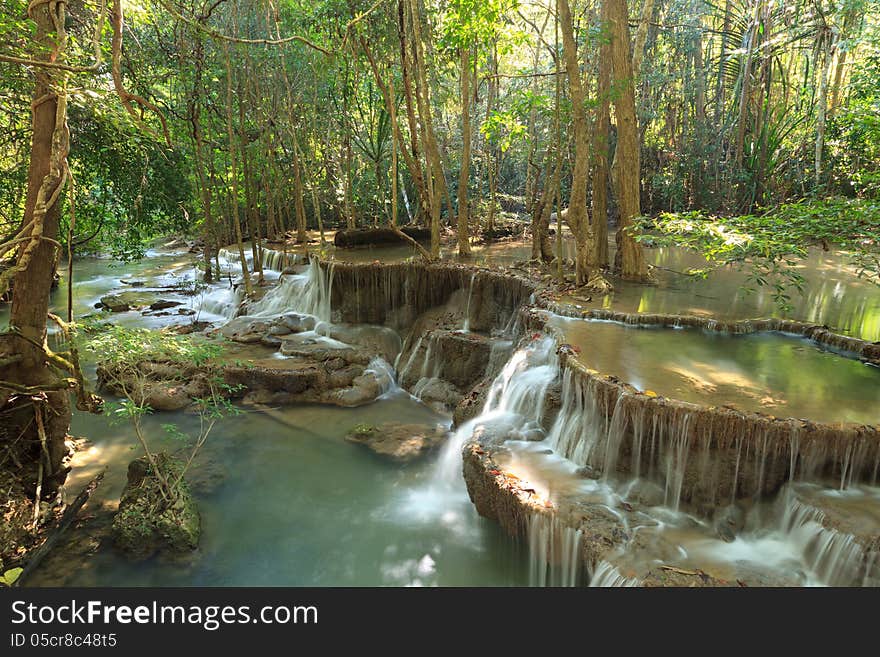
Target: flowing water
<point>295,504</point>
<point>285,500</point>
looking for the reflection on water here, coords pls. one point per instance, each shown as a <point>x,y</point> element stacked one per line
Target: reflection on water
<point>297,505</point>
<point>286,501</point>
<point>781,375</point>
<point>833,293</point>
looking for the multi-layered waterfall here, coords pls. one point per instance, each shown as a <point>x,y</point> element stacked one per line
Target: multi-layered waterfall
<point>656,471</point>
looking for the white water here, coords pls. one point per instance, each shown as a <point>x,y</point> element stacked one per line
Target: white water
<point>307,293</point>
<point>220,302</point>
<point>554,551</point>
<point>515,400</point>
<point>384,375</point>
<point>607,575</point>
<point>795,542</point>
<point>466,327</point>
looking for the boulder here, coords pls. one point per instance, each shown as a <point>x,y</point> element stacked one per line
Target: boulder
<point>163,396</point>
<point>121,302</point>
<point>146,523</point>
<point>400,442</point>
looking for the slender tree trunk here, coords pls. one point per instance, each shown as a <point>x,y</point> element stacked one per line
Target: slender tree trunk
<point>464,243</point>
<point>491,152</point>
<point>642,36</point>
<point>577,204</point>
<point>432,154</point>
<point>821,111</point>
<point>601,136</point>
<point>630,261</point>
<point>414,164</point>
<point>301,236</point>
<point>208,231</point>
<point>233,174</point>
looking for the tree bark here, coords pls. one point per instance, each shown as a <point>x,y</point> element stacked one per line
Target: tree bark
<point>464,244</point>
<point>577,204</point>
<point>629,261</point>
<point>233,173</point>
<point>601,136</point>
<point>34,420</point>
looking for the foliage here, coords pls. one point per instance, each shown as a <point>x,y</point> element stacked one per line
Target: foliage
<point>10,577</point>
<point>121,346</point>
<point>771,243</point>
<point>122,353</point>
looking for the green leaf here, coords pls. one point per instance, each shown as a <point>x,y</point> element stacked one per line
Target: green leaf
<point>11,576</point>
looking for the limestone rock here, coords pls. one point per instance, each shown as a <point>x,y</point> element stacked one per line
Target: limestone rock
<point>145,523</point>
<point>400,442</point>
<point>124,301</point>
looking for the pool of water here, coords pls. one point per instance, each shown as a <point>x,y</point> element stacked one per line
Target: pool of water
<point>294,504</point>
<point>834,295</point>
<point>782,375</point>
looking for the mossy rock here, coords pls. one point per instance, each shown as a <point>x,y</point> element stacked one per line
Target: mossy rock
<point>145,523</point>
<point>123,301</point>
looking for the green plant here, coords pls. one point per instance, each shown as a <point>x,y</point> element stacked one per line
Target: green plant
<point>10,577</point>
<point>123,353</point>
<point>769,245</point>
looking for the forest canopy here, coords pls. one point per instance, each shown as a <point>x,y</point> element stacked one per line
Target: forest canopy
<point>740,104</point>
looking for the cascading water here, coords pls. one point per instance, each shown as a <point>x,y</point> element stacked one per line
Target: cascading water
<point>554,551</point>
<point>402,372</point>
<point>384,375</point>
<point>515,400</point>
<point>607,575</point>
<point>307,293</point>
<point>466,326</point>
<point>834,558</point>
<point>220,302</point>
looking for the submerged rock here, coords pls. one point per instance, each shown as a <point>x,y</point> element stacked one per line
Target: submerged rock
<point>163,304</point>
<point>124,301</point>
<point>728,522</point>
<point>146,523</point>
<point>400,442</point>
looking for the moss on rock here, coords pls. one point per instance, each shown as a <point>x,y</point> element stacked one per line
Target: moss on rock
<point>146,523</point>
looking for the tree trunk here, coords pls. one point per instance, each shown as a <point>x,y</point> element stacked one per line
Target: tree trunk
<point>432,153</point>
<point>301,236</point>
<point>630,261</point>
<point>233,173</point>
<point>577,204</point>
<point>24,415</point>
<point>601,136</point>
<point>821,110</point>
<point>642,36</point>
<point>491,152</point>
<point>464,244</point>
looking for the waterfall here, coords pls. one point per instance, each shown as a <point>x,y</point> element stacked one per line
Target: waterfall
<point>498,356</point>
<point>607,575</point>
<point>466,327</point>
<point>221,302</point>
<point>384,375</point>
<point>274,260</point>
<point>307,293</point>
<point>515,400</point>
<point>580,424</point>
<point>403,371</point>
<point>554,551</point>
<point>834,558</point>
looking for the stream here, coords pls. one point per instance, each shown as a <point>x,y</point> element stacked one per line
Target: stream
<point>285,500</point>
